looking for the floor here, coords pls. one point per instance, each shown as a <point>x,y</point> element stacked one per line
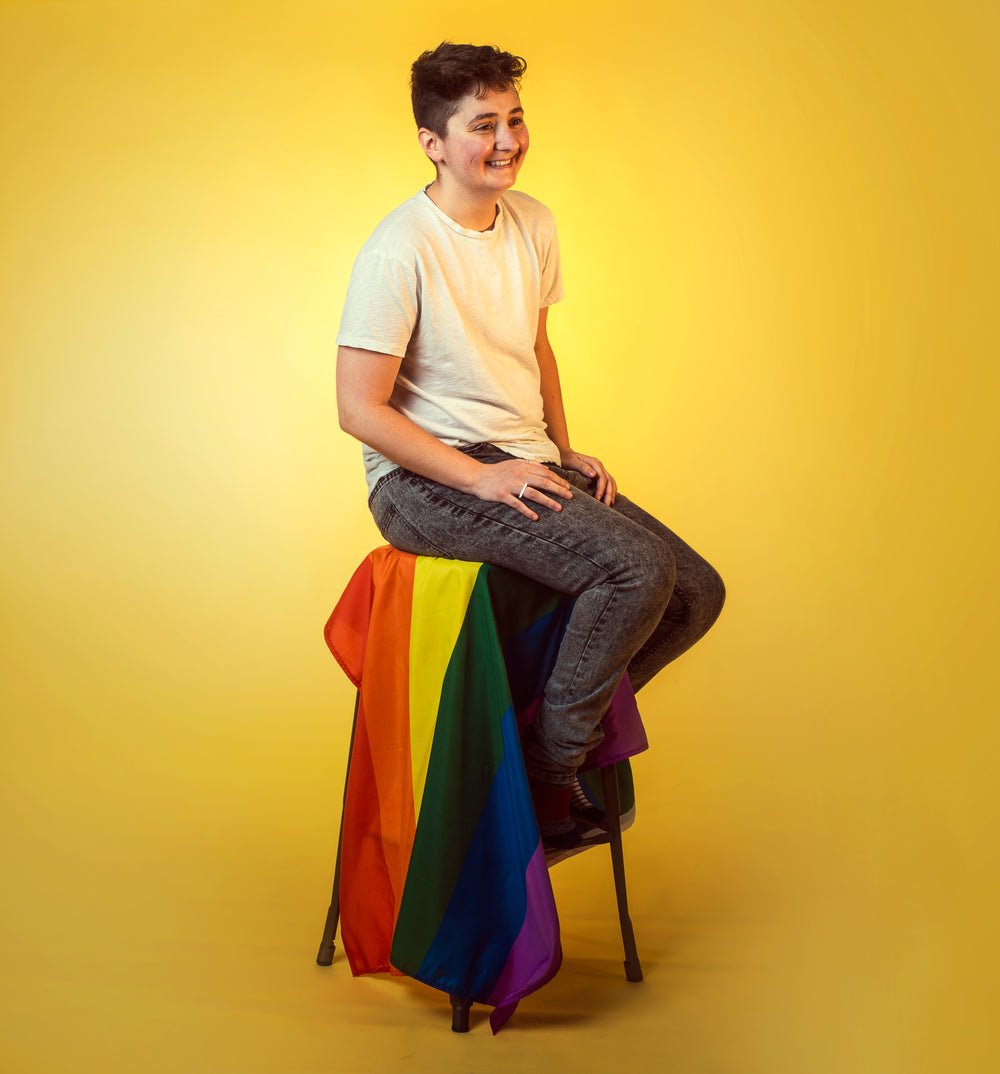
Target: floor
<point>200,960</point>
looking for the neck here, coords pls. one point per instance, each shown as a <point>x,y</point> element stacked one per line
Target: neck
<point>476,214</point>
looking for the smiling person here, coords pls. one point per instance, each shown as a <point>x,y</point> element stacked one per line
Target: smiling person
<point>446,375</point>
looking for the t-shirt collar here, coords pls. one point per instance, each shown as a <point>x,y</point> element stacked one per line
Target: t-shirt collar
<point>456,227</point>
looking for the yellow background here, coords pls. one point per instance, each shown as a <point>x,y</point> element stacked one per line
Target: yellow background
<point>780,230</point>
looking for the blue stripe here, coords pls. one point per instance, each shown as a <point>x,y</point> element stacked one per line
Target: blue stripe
<point>487,907</point>
<point>530,655</point>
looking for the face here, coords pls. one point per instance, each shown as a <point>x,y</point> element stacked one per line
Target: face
<point>485,145</point>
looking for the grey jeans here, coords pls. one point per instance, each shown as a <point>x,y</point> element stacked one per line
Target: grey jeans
<point>643,596</point>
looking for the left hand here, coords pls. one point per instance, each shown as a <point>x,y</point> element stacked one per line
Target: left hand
<point>605,488</point>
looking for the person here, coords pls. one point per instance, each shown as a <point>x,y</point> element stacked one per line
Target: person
<point>446,375</point>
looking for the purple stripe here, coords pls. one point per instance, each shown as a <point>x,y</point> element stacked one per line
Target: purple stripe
<point>624,734</point>
<point>536,954</point>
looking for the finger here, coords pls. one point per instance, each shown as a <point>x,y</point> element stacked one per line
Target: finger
<point>539,499</point>
<point>607,488</point>
<point>523,508</point>
<point>586,466</point>
<point>551,483</point>
<point>547,479</point>
<point>518,499</point>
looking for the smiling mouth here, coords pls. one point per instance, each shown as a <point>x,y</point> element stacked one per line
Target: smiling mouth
<point>502,163</point>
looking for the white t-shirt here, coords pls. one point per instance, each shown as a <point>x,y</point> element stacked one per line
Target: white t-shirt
<point>461,309</point>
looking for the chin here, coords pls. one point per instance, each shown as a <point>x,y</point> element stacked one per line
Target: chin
<point>507,177</point>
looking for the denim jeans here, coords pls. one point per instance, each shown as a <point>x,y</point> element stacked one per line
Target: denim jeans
<point>643,596</point>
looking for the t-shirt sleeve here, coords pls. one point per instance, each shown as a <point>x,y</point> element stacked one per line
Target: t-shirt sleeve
<point>382,305</point>
<point>551,290</point>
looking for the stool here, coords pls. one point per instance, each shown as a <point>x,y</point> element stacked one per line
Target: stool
<point>437,832</point>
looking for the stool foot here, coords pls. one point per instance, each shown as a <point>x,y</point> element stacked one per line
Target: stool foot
<point>460,1014</point>
<point>326,953</point>
<point>327,945</point>
<point>609,778</point>
<point>633,968</point>
<point>633,971</point>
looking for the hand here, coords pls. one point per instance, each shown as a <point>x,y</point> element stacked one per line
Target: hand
<point>519,481</point>
<point>605,488</point>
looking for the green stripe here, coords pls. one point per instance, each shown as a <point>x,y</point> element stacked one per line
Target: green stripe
<point>467,750</point>
<point>517,600</point>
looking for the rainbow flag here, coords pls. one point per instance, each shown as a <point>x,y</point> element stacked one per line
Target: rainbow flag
<point>443,872</point>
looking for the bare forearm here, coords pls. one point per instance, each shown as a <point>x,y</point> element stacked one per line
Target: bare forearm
<point>552,402</point>
<point>399,439</point>
<point>408,445</point>
<point>364,385</point>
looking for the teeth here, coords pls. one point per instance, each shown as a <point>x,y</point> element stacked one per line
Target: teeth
<point>501,163</point>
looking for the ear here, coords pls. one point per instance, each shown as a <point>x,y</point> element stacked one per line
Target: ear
<point>432,144</point>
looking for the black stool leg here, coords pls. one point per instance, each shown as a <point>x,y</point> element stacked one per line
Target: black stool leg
<point>460,1014</point>
<point>612,806</point>
<point>327,945</point>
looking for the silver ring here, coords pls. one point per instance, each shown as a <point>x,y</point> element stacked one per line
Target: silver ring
<point>521,493</point>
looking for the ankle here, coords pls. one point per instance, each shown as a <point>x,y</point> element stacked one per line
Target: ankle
<point>551,802</point>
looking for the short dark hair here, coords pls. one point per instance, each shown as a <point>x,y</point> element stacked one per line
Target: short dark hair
<point>441,77</point>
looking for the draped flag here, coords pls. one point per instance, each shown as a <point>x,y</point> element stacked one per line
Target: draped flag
<point>443,871</point>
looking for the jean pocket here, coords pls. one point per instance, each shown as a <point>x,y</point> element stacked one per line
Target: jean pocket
<point>486,452</point>
<point>394,526</point>
<point>380,504</point>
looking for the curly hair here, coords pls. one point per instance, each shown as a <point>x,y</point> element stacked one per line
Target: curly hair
<point>441,77</point>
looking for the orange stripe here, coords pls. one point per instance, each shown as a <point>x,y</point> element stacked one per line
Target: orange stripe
<point>367,911</point>
<point>385,694</point>
<point>369,633</point>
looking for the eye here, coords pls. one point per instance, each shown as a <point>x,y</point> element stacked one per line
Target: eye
<point>517,121</point>
<point>484,127</point>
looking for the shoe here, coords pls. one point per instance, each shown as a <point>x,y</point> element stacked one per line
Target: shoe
<point>581,836</point>
<point>582,809</point>
<point>590,817</point>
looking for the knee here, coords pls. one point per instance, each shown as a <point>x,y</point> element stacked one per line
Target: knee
<point>653,566</point>
<point>712,594</point>
<point>664,567</point>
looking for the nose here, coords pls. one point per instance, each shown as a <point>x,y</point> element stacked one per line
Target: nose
<point>503,137</point>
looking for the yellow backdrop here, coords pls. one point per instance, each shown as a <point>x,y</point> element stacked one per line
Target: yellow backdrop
<point>780,229</point>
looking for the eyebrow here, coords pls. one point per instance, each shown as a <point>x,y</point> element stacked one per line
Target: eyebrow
<point>493,115</point>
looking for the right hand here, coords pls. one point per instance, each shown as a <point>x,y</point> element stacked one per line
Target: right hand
<point>504,481</point>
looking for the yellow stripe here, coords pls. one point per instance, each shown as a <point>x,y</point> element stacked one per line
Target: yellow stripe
<point>441,591</point>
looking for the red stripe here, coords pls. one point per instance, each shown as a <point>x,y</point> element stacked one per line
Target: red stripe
<point>347,628</point>
<point>379,816</point>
